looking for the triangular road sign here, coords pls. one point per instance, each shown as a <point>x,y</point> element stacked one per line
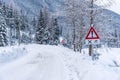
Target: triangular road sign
<point>92,34</point>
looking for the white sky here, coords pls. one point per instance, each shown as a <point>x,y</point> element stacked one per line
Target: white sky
<point>114,5</point>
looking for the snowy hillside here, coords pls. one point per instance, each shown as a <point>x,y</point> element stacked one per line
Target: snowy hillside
<point>53,5</point>
<point>41,62</point>
<point>31,7</point>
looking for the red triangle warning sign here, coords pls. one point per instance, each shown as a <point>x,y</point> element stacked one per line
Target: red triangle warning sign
<point>92,34</point>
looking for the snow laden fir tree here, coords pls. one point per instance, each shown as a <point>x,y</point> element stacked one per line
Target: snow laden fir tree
<point>47,31</point>
<point>3,32</point>
<point>40,29</point>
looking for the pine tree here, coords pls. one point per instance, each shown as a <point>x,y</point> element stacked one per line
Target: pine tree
<point>4,10</point>
<point>25,29</point>
<point>40,28</point>
<point>46,38</point>
<point>3,32</point>
<point>47,34</point>
<point>11,24</point>
<point>56,31</point>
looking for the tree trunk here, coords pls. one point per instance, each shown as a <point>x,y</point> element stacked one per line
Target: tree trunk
<point>80,46</point>
<point>19,37</point>
<point>10,36</point>
<point>74,36</point>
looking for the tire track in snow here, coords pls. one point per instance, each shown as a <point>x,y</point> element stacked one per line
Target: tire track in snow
<point>72,72</point>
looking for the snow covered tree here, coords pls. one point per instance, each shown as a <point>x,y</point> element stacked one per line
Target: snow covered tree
<point>12,25</point>
<point>4,7</point>
<point>76,10</point>
<point>17,21</point>
<point>3,32</point>
<point>70,10</point>
<point>33,29</point>
<point>25,28</point>
<point>40,28</point>
<point>56,34</point>
<point>47,33</point>
<point>43,28</point>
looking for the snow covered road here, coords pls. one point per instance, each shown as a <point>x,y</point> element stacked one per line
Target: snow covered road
<point>35,66</point>
<point>44,62</point>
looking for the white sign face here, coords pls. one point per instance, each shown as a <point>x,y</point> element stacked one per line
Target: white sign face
<point>96,41</point>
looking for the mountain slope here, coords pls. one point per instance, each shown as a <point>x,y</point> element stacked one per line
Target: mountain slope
<point>53,5</point>
<point>33,6</point>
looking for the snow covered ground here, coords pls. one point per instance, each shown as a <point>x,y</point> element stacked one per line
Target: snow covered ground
<point>44,62</point>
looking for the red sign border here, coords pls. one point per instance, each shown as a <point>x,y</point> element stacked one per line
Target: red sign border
<point>92,29</point>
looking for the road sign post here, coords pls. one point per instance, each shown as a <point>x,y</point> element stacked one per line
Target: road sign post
<point>90,49</point>
<point>91,38</point>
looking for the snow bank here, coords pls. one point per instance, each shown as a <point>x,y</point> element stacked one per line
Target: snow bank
<point>8,54</point>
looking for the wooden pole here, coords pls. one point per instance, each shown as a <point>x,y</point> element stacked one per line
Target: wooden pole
<point>90,50</point>
<point>91,25</point>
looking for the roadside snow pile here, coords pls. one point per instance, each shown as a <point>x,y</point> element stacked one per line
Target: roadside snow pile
<point>109,57</point>
<point>82,66</point>
<point>8,54</point>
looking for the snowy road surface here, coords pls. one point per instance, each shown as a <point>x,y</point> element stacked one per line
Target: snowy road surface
<point>53,63</point>
<point>35,66</point>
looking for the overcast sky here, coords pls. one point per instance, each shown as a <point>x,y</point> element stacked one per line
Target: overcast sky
<point>115,6</point>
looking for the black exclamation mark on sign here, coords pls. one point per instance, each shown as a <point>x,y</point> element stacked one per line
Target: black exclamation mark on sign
<point>92,33</point>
